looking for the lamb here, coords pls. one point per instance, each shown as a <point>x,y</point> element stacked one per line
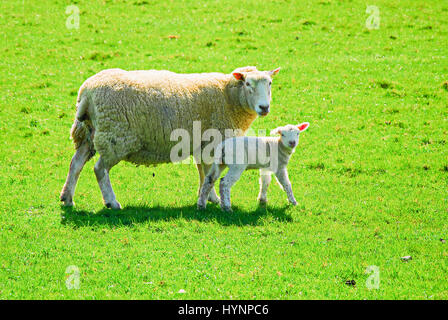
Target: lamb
<point>269,154</point>
<point>128,115</point>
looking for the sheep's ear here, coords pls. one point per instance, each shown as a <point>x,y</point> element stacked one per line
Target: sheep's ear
<point>239,76</point>
<point>274,72</point>
<point>303,126</point>
<point>276,131</point>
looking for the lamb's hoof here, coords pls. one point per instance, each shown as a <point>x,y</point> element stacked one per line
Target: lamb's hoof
<point>67,201</point>
<point>201,206</point>
<point>262,202</point>
<point>293,203</point>
<point>113,205</point>
<point>213,198</point>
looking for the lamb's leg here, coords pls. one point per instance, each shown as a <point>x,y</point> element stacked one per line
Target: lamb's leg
<point>81,156</point>
<point>282,178</point>
<point>265,180</point>
<point>226,184</point>
<point>208,185</point>
<point>212,196</point>
<point>102,176</point>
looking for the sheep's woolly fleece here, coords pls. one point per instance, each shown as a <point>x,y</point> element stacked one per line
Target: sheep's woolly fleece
<point>131,114</point>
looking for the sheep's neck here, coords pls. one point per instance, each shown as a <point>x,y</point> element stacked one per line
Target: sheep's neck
<point>240,114</point>
<point>242,118</point>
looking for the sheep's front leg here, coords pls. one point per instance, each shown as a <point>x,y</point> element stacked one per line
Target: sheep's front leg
<point>226,184</point>
<point>208,184</point>
<point>102,176</point>
<point>282,178</point>
<point>265,180</point>
<point>212,196</point>
<point>201,177</point>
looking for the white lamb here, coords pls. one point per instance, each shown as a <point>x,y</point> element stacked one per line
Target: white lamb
<point>268,154</point>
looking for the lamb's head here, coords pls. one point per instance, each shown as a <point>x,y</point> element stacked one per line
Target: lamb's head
<point>256,86</point>
<point>290,134</point>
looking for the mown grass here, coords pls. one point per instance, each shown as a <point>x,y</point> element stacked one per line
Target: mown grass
<point>370,174</point>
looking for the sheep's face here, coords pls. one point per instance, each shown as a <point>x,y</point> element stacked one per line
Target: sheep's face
<point>290,134</point>
<point>257,89</point>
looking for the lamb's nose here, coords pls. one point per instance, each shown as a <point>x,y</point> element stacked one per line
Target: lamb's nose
<point>264,109</point>
<point>292,144</point>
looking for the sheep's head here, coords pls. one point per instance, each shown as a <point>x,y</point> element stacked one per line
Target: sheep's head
<point>257,87</point>
<point>290,134</point>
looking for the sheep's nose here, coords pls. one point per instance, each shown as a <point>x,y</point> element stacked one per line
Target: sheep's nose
<point>292,144</point>
<point>264,109</point>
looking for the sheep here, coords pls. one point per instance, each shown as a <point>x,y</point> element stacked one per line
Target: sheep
<point>269,154</point>
<point>128,115</point>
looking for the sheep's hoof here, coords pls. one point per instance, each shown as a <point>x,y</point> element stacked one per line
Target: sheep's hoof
<point>67,201</point>
<point>113,205</point>
<point>293,203</point>
<point>68,204</point>
<point>227,209</point>
<point>262,201</point>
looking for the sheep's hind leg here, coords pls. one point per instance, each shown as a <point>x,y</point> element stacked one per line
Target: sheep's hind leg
<point>81,156</point>
<point>212,196</point>
<point>102,176</point>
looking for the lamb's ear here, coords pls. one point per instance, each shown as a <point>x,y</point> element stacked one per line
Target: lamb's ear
<point>274,72</point>
<point>239,76</point>
<point>303,126</point>
<point>276,131</point>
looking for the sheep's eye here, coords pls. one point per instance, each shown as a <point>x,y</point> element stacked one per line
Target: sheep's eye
<point>270,83</point>
<point>248,84</point>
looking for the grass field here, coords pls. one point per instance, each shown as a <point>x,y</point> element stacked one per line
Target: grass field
<point>370,174</point>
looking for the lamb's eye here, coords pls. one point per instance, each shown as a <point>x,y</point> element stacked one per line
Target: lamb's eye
<point>248,84</point>
<point>270,83</point>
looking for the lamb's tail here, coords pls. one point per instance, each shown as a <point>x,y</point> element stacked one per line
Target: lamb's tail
<point>219,154</point>
<point>82,131</point>
<point>215,170</point>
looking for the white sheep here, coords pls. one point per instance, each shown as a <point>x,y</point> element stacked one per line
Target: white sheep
<point>268,154</point>
<point>129,115</point>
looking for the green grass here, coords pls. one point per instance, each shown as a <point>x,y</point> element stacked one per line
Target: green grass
<point>370,174</point>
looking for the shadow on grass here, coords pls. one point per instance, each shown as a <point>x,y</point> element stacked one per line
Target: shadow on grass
<point>139,214</point>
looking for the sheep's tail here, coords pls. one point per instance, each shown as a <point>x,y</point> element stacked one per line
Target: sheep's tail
<point>81,108</point>
<point>82,131</point>
<point>79,133</point>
